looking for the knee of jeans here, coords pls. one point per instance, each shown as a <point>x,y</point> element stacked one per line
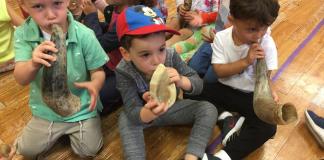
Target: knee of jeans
<point>89,151</point>
<point>28,151</point>
<point>209,109</point>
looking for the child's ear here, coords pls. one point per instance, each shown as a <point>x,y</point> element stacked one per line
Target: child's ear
<point>124,53</point>
<point>230,19</point>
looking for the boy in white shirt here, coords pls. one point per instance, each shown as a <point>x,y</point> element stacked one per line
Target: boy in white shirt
<point>235,51</point>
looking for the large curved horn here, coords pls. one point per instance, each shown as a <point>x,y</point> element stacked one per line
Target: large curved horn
<point>264,105</point>
<point>55,91</point>
<point>187,4</point>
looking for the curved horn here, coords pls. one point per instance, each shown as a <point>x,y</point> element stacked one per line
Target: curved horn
<point>55,91</point>
<point>264,105</point>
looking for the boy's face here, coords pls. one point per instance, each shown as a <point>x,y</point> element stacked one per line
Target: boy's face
<point>146,53</point>
<point>47,12</point>
<point>247,31</point>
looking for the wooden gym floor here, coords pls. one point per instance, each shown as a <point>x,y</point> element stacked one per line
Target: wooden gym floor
<point>299,35</point>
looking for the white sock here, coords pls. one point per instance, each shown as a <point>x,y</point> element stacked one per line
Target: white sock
<point>222,155</point>
<point>224,115</point>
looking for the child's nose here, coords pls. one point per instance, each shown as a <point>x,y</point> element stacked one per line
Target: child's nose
<point>50,14</point>
<point>156,60</point>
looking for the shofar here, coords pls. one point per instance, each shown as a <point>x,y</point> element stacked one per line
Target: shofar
<point>160,87</point>
<point>187,4</point>
<point>55,91</point>
<point>264,105</point>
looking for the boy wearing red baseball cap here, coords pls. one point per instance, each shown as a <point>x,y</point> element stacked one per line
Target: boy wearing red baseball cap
<point>141,32</point>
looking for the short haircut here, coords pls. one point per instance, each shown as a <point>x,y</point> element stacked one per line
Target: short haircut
<point>264,12</point>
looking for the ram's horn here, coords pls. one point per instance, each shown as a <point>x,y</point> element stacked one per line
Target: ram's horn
<point>160,87</point>
<point>187,4</point>
<point>264,105</point>
<point>55,91</point>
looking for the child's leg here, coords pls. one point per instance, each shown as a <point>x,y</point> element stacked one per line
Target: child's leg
<point>86,137</point>
<point>254,132</point>
<point>185,33</point>
<point>132,138</point>
<point>200,61</point>
<point>201,114</point>
<point>37,137</point>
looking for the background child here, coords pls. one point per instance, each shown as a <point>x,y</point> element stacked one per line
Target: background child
<point>199,8</point>
<point>8,19</point>
<point>235,51</point>
<point>85,78</point>
<point>142,35</point>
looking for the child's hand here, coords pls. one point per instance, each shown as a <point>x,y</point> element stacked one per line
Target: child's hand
<point>93,91</point>
<point>88,7</point>
<point>193,18</point>
<point>255,52</point>
<point>275,96</point>
<point>182,10</point>
<point>208,34</point>
<point>174,76</point>
<point>153,106</point>
<point>40,57</point>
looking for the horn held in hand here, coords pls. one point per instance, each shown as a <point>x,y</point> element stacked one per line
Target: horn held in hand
<point>264,105</point>
<point>160,87</point>
<point>55,91</point>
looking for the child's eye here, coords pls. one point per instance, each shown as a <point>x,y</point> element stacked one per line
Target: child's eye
<point>162,49</point>
<point>58,3</point>
<point>37,6</point>
<point>145,55</point>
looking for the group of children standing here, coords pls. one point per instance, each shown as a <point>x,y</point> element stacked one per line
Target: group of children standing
<point>134,39</point>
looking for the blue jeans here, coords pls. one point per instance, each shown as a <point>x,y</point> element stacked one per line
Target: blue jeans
<point>201,63</point>
<point>109,95</point>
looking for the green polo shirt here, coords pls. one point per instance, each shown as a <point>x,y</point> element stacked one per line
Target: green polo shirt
<point>84,53</point>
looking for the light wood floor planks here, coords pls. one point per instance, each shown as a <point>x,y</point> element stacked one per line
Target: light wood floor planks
<point>301,82</point>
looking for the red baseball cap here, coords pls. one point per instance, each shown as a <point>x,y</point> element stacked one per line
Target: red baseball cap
<point>140,20</point>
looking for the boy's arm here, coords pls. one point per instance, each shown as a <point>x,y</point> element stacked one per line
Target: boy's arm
<point>25,71</point>
<point>107,39</point>
<point>272,87</point>
<point>190,81</point>
<point>16,19</point>
<point>93,86</point>
<point>231,68</point>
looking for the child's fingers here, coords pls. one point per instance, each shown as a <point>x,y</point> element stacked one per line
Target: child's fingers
<point>150,105</point>
<point>146,96</point>
<point>93,102</point>
<point>159,109</point>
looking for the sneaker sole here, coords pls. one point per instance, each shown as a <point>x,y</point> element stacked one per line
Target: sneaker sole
<point>315,130</point>
<point>237,127</point>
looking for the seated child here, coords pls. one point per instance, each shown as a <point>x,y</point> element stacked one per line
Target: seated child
<point>106,34</point>
<point>142,35</point>
<point>85,77</point>
<point>189,21</point>
<point>8,19</point>
<point>235,51</point>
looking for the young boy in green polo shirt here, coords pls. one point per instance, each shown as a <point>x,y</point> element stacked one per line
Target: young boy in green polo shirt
<point>84,58</point>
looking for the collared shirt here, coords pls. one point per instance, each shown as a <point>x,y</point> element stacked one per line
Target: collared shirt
<point>84,54</point>
<point>6,34</point>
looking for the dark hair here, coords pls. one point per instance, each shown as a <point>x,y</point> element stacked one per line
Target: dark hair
<point>126,40</point>
<point>149,3</point>
<point>263,12</point>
